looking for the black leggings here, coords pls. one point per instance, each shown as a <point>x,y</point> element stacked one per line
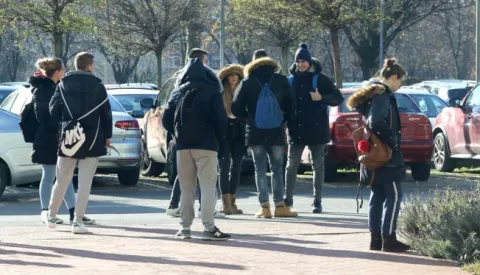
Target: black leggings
<point>231,168</point>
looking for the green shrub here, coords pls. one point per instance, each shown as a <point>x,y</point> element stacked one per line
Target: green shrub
<point>444,224</point>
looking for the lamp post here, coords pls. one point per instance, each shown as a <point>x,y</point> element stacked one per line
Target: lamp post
<point>382,19</point>
<point>222,33</point>
<point>477,70</point>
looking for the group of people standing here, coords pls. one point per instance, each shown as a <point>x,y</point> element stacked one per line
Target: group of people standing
<point>213,119</point>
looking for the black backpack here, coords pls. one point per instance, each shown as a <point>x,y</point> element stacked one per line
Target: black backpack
<point>28,122</point>
<point>189,119</point>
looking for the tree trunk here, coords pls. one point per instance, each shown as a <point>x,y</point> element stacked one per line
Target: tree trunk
<point>285,59</point>
<point>58,45</point>
<point>158,54</point>
<point>337,61</point>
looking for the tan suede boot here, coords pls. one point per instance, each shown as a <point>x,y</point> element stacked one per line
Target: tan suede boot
<point>264,212</point>
<point>282,211</point>
<point>234,208</point>
<point>226,207</point>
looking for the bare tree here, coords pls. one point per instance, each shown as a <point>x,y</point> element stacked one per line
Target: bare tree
<point>148,25</point>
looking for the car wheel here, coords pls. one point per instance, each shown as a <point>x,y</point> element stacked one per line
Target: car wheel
<point>4,178</point>
<point>441,157</point>
<point>150,168</point>
<point>331,173</point>
<point>420,171</point>
<point>171,168</point>
<point>129,177</point>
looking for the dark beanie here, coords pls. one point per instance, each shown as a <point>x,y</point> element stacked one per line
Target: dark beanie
<point>196,53</point>
<point>259,54</point>
<point>303,54</point>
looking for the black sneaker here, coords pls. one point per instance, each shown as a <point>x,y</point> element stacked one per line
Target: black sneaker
<point>317,207</point>
<point>215,235</point>
<point>376,242</point>
<point>288,202</point>
<point>391,244</point>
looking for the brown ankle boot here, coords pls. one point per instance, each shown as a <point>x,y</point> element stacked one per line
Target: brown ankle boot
<point>234,208</point>
<point>226,208</point>
<point>282,211</point>
<point>264,212</point>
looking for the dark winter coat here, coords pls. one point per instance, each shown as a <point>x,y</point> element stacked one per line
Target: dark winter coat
<point>196,75</point>
<point>311,126</point>
<point>83,91</point>
<point>45,144</point>
<point>377,103</point>
<point>236,126</point>
<point>245,102</point>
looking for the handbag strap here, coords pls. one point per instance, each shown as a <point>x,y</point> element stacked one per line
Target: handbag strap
<point>85,115</point>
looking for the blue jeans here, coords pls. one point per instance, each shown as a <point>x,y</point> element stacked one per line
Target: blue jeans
<point>275,156</point>
<point>46,185</point>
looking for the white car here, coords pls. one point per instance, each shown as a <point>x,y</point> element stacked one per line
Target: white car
<point>429,104</point>
<point>447,89</point>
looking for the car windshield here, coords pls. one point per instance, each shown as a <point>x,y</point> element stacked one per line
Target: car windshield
<point>430,105</point>
<point>132,102</point>
<point>4,93</point>
<point>459,93</point>
<point>116,107</point>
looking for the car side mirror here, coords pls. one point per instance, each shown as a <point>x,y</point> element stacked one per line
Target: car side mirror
<point>137,113</point>
<point>455,102</point>
<point>147,103</point>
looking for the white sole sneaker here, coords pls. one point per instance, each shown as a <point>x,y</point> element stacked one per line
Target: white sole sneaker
<point>216,214</point>
<point>175,213</point>
<point>49,222</point>
<point>79,228</point>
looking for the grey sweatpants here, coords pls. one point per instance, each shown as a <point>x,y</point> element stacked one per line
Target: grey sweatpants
<point>193,164</point>
<point>65,170</point>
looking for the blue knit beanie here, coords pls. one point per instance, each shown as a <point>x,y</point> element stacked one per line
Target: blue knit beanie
<point>303,54</point>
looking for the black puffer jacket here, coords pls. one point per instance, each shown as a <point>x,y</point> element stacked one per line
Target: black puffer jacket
<point>83,92</point>
<point>195,74</point>
<point>245,102</point>
<point>311,126</point>
<point>377,103</point>
<point>45,144</point>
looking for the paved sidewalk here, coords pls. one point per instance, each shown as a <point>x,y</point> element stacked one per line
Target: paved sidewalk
<point>326,244</point>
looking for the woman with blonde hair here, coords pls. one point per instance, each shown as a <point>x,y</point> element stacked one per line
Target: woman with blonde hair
<point>45,145</point>
<point>230,161</point>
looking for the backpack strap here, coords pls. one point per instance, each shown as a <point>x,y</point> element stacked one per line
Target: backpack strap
<point>269,83</point>
<point>85,115</point>
<point>314,81</point>
<point>290,80</point>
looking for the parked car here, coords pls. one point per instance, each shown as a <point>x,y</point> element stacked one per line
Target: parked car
<point>156,142</point>
<point>128,86</point>
<point>125,150</point>
<point>6,91</point>
<point>416,143</point>
<point>16,165</point>
<point>457,132</point>
<point>430,104</point>
<point>130,101</point>
<point>17,84</point>
<point>448,89</point>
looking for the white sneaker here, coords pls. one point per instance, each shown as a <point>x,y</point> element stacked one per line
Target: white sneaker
<point>216,214</point>
<point>51,222</point>
<point>79,228</point>
<point>175,212</point>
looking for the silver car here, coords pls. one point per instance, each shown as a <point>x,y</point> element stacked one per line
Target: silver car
<point>124,153</point>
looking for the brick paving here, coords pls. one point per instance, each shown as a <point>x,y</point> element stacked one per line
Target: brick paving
<point>327,244</point>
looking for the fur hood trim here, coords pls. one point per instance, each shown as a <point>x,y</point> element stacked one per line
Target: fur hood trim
<point>231,69</point>
<point>363,95</point>
<point>261,62</point>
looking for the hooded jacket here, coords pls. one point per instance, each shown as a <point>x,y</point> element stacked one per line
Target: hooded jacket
<point>196,75</point>
<point>45,143</point>
<point>244,105</point>
<point>311,125</point>
<point>236,126</point>
<point>83,91</point>
<point>378,105</point>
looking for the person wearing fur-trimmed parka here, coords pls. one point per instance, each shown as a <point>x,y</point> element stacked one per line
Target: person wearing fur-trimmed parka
<point>234,151</point>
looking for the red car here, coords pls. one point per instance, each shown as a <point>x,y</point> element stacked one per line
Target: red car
<point>457,132</point>
<point>416,144</point>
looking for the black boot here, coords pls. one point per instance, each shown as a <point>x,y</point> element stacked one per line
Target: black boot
<point>376,242</point>
<point>391,244</point>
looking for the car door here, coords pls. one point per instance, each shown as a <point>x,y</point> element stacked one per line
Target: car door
<point>156,136</point>
<point>471,108</point>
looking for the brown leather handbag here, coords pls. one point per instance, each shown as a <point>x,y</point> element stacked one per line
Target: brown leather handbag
<point>379,153</point>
